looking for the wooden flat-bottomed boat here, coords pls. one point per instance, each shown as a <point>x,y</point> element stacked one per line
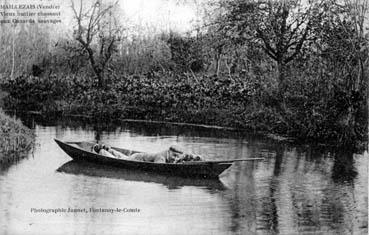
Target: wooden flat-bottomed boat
<point>81,151</point>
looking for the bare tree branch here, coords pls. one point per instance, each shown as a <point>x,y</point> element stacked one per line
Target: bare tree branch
<point>88,25</point>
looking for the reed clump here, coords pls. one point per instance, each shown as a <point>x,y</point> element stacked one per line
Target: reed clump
<point>16,140</point>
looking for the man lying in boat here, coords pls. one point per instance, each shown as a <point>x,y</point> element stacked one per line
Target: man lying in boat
<point>171,155</point>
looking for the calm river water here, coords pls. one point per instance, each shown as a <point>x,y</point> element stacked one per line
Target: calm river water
<point>295,190</point>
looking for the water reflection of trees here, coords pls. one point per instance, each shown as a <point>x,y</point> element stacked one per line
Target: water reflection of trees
<point>307,191</point>
<point>343,170</point>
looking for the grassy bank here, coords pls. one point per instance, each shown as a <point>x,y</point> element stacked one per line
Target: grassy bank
<point>15,139</point>
<point>306,112</point>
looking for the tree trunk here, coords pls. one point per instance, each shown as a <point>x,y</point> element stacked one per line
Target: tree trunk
<point>281,77</point>
<point>13,55</point>
<point>98,71</point>
<point>282,85</point>
<point>218,57</point>
<point>217,66</point>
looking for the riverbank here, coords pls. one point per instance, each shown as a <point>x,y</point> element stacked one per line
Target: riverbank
<point>306,115</point>
<point>15,140</point>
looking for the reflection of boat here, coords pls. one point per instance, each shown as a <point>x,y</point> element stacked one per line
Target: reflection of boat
<point>172,182</point>
<point>81,151</point>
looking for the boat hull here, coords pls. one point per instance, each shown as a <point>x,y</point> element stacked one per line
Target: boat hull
<point>203,169</point>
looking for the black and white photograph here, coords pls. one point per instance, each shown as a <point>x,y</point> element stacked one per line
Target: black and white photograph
<point>199,117</point>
